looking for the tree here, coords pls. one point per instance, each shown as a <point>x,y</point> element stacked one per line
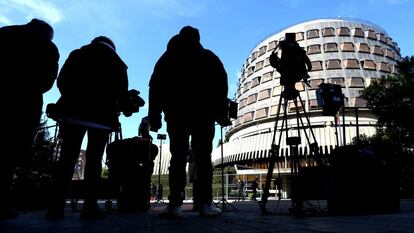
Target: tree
<point>391,100</point>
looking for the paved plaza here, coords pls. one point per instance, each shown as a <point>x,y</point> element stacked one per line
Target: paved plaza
<point>246,218</point>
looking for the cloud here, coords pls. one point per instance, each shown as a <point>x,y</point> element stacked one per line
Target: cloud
<point>4,20</point>
<point>32,8</point>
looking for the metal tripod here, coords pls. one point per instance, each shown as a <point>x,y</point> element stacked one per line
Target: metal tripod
<point>293,143</point>
<point>223,199</point>
<point>159,189</point>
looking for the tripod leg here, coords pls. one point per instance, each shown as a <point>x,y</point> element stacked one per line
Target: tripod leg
<point>274,153</point>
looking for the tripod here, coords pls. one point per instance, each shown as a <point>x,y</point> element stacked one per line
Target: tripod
<point>293,143</point>
<point>159,188</point>
<point>223,199</point>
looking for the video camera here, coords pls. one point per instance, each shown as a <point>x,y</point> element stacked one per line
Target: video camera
<point>231,113</point>
<point>131,102</point>
<point>293,65</point>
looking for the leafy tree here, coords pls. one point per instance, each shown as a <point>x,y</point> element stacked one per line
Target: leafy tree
<point>391,99</point>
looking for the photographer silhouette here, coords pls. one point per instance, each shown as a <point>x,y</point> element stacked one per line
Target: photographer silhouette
<point>293,65</point>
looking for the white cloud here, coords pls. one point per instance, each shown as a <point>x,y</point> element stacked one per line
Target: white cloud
<point>4,20</point>
<point>33,8</point>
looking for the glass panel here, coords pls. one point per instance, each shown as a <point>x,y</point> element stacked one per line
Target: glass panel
<point>314,33</point>
<point>299,36</point>
<point>368,65</point>
<point>267,76</point>
<point>370,34</point>
<point>251,99</point>
<point>262,50</point>
<point>261,113</point>
<point>356,82</point>
<point>272,45</point>
<point>333,64</point>
<point>383,66</point>
<point>343,31</point>
<point>259,65</point>
<point>358,32</point>
<point>312,49</point>
<point>316,65</point>
<point>254,55</point>
<point>351,64</point>
<point>247,117</point>
<point>347,47</point>
<point>328,32</point>
<point>264,94</point>
<point>330,47</point>
<point>376,50</point>
<point>363,48</point>
<point>255,82</point>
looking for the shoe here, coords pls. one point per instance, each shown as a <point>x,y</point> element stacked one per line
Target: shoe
<point>92,213</point>
<point>172,212</point>
<point>55,214</point>
<point>6,214</point>
<point>209,210</point>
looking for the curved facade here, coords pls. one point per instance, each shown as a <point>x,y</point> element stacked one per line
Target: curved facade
<point>349,52</point>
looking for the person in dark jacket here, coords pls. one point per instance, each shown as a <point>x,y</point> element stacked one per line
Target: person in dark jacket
<point>92,82</point>
<point>28,69</point>
<point>189,85</point>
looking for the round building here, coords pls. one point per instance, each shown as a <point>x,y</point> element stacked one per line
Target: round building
<point>349,52</point>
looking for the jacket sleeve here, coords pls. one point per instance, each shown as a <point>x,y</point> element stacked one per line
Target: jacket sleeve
<point>155,95</point>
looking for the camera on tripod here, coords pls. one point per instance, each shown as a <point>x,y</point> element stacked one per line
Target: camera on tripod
<point>294,63</point>
<point>230,113</point>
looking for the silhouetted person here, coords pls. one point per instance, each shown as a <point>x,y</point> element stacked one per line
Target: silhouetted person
<point>189,84</point>
<point>255,185</point>
<point>143,129</point>
<point>240,189</point>
<point>28,68</point>
<point>92,82</point>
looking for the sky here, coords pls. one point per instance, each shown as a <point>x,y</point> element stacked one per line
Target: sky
<point>141,29</point>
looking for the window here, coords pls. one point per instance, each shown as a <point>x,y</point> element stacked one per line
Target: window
<point>384,67</point>
<point>264,94</point>
<point>368,65</point>
<point>267,61</point>
<point>370,34</point>
<point>333,64</point>
<point>313,33</point>
<point>250,71</point>
<point>317,65</point>
<point>247,117</point>
<point>393,69</point>
<point>338,81</point>
<point>251,99</point>
<point>273,110</point>
<point>388,53</point>
<point>315,83</point>
<point>358,32</point>
<point>262,113</point>
<point>259,65</point>
<point>390,42</point>
<point>272,45</point>
<point>328,32</point>
<point>343,31</point>
<point>255,82</point>
<point>262,50</point>
<point>242,103</point>
<point>376,50</point>
<point>351,64</point>
<point>330,47</point>
<point>381,37</point>
<point>254,55</point>
<point>356,82</point>
<point>347,47</point>
<point>363,48</point>
<point>299,36</point>
<point>267,77</point>
<point>358,102</point>
<point>277,90</point>
<point>246,87</point>
<point>313,49</point>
